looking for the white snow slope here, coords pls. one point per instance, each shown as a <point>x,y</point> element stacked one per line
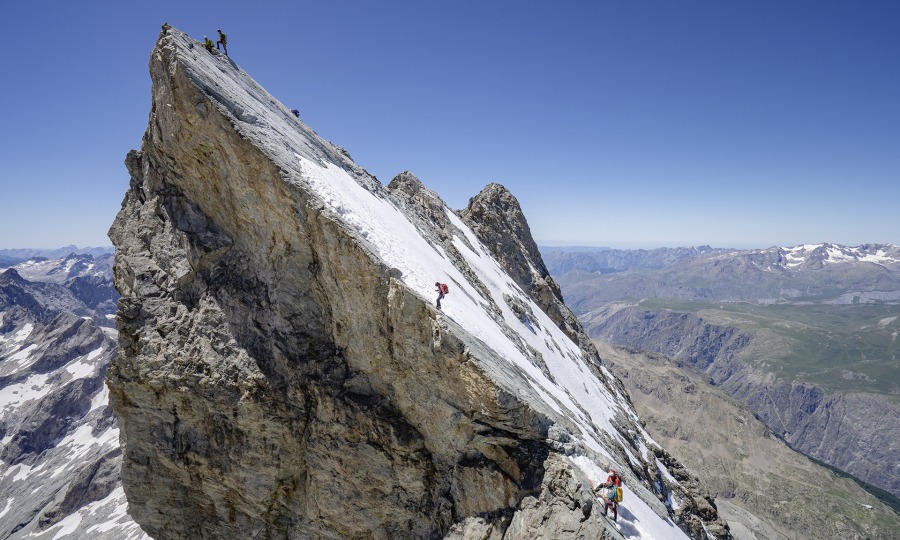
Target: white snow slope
<point>361,203</point>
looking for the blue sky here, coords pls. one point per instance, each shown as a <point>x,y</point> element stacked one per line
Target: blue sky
<point>618,123</point>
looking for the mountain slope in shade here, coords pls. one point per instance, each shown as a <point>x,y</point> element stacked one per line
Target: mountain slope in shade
<point>282,368</point>
<point>59,444</point>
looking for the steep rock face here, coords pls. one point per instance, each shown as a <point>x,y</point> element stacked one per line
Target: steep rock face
<point>854,432</point>
<point>282,374</point>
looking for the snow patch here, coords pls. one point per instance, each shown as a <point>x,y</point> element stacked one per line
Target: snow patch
<point>84,367</point>
<point>21,357</point>
<point>22,334</point>
<point>22,472</point>
<point>886,321</point>
<point>111,332</point>
<point>67,526</point>
<point>34,387</point>
<point>9,504</point>
<point>100,399</point>
<point>78,444</point>
<point>665,472</point>
<point>80,370</point>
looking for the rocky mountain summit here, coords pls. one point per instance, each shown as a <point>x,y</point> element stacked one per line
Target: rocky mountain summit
<point>283,372</point>
<point>59,444</point>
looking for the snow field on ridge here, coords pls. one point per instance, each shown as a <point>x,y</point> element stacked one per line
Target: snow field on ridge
<point>636,520</point>
<point>400,245</point>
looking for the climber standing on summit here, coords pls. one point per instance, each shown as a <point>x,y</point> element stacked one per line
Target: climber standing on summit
<point>223,39</point>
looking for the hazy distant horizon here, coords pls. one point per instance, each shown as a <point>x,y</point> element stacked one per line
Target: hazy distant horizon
<point>656,245</point>
<point>572,245</point>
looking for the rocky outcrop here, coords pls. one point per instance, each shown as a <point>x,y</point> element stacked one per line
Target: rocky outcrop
<point>282,372</point>
<point>495,216</point>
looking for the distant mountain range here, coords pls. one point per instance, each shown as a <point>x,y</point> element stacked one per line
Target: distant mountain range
<point>820,273</point>
<point>562,259</point>
<point>10,257</point>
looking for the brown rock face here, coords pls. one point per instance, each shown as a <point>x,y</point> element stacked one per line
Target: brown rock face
<point>276,379</point>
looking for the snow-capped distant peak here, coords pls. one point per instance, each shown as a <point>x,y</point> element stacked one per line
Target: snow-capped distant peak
<point>809,256</point>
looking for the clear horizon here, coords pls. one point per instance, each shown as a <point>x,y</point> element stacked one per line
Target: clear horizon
<point>545,244</point>
<point>614,124</point>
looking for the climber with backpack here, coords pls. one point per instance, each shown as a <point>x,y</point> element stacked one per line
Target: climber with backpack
<point>611,493</point>
<point>442,290</point>
<point>223,39</point>
<point>207,43</point>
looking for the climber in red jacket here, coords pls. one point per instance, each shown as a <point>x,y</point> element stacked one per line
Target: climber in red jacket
<point>442,290</point>
<point>609,493</point>
<point>612,480</point>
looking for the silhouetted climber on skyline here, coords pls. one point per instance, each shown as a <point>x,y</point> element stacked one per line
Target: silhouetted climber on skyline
<point>223,39</point>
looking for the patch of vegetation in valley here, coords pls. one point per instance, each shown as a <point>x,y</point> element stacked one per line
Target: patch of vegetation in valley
<point>851,347</point>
